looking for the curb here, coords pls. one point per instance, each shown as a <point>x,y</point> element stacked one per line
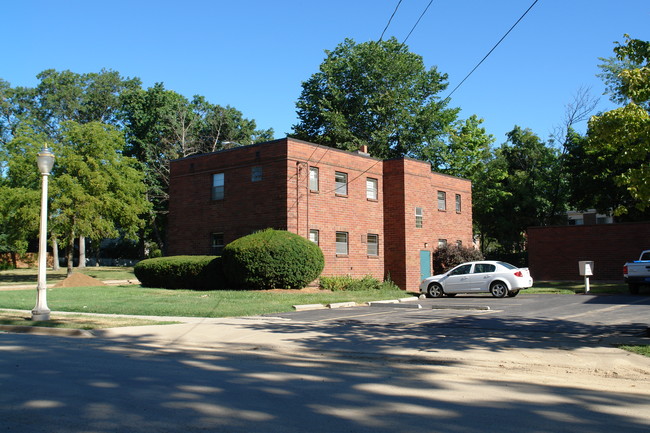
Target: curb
<point>43,330</point>
<point>394,305</point>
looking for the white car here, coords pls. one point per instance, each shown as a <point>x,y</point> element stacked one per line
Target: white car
<point>498,278</point>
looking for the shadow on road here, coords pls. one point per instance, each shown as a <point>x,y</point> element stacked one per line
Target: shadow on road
<point>347,381</point>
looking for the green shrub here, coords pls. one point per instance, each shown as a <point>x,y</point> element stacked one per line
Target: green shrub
<point>181,272</point>
<point>445,258</point>
<point>272,259</point>
<point>348,283</point>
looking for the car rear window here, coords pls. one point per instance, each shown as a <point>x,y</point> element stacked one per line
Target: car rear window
<point>507,265</point>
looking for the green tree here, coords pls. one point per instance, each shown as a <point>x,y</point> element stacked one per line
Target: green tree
<point>97,192</point>
<point>376,94</point>
<point>19,219</point>
<point>623,134</point>
<point>515,191</point>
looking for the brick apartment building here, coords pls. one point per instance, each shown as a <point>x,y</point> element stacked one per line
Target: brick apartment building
<point>369,216</point>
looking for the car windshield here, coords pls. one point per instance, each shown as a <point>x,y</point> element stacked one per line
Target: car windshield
<point>507,265</point>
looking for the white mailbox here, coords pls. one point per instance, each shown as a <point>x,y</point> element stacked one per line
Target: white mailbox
<point>586,268</point>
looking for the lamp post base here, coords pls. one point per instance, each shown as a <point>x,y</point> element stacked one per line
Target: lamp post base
<point>40,316</point>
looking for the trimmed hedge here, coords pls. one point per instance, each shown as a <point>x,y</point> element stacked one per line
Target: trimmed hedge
<point>272,259</point>
<point>181,272</point>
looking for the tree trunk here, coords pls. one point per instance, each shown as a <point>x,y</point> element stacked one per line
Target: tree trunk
<point>70,254</point>
<point>82,252</point>
<point>55,253</point>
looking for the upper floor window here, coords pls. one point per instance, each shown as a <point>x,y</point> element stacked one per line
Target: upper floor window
<point>217,186</point>
<point>256,173</point>
<point>313,178</point>
<point>341,180</point>
<point>442,243</point>
<point>418,217</point>
<point>442,200</point>
<point>371,188</point>
<point>458,203</point>
<point>373,244</point>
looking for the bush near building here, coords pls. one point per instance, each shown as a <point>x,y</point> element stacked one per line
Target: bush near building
<point>181,272</point>
<point>272,259</point>
<point>445,258</point>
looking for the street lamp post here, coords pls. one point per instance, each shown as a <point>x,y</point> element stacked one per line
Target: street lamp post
<point>45,161</point>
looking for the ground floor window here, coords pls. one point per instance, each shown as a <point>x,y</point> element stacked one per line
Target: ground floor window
<point>217,244</point>
<point>313,236</point>
<point>373,244</point>
<point>342,243</point>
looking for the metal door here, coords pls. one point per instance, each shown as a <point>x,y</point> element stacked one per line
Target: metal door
<point>425,264</point>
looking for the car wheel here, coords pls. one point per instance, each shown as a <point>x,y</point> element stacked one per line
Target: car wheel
<point>498,289</point>
<point>513,293</point>
<point>435,290</point>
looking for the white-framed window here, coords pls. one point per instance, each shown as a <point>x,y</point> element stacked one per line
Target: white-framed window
<point>313,179</point>
<point>256,173</point>
<point>314,236</point>
<point>342,243</point>
<point>459,243</point>
<point>217,186</point>
<point>419,217</point>
<point>442,243</point>
<point>442,200</point>
<point>216,243</point>
<point>459,207</point>
<point>341,181</point>
<point>371,188</point>
<point>373,244</point>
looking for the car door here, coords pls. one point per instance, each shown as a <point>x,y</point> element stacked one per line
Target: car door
<point>481,277</point>
<point>457,280</point>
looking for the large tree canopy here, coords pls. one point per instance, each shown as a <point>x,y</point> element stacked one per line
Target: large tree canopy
<point>376,94</point>
<point>624,133</point>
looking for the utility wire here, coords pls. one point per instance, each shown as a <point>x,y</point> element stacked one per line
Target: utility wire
<point>417,22</point>
<point>490,52</point>
<point>389,20</point>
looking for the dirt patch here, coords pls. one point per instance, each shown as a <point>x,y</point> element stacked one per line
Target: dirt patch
<point>79,280</point>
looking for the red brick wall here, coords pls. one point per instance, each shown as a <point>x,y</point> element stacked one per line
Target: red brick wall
<point>282,200</point>
<point>412,184</point>
<point>554,252</point>
<point>328,212</point>
<point>247,206</point>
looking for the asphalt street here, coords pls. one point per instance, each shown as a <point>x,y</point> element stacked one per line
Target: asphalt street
<point>534,363</point>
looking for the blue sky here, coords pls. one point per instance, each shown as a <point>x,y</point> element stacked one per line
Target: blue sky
<point>254,54</point>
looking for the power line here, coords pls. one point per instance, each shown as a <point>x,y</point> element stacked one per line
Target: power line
<point>417,22</point>
<point>389,20</point>
<point>490,52</point>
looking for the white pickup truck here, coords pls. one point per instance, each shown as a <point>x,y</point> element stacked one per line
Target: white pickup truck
<point>637,273</point>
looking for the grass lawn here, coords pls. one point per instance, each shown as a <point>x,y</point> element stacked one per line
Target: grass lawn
<point>161,302</point>
<point>29,275</point>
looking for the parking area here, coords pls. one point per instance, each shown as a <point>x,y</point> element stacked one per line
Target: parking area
<point>602,315</point>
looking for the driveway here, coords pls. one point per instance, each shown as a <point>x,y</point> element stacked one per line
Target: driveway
<point>532,363</point>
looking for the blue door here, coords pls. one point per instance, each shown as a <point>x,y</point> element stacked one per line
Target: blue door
<point>425,264</point>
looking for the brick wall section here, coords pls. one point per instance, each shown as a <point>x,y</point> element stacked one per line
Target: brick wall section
<point>283,200</point>
<point>247,206</point>
<point>329,212</point>
<point>554,252</point>
<point>412,184</point>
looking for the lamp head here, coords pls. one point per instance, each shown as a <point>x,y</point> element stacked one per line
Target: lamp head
<point>45,161</point>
